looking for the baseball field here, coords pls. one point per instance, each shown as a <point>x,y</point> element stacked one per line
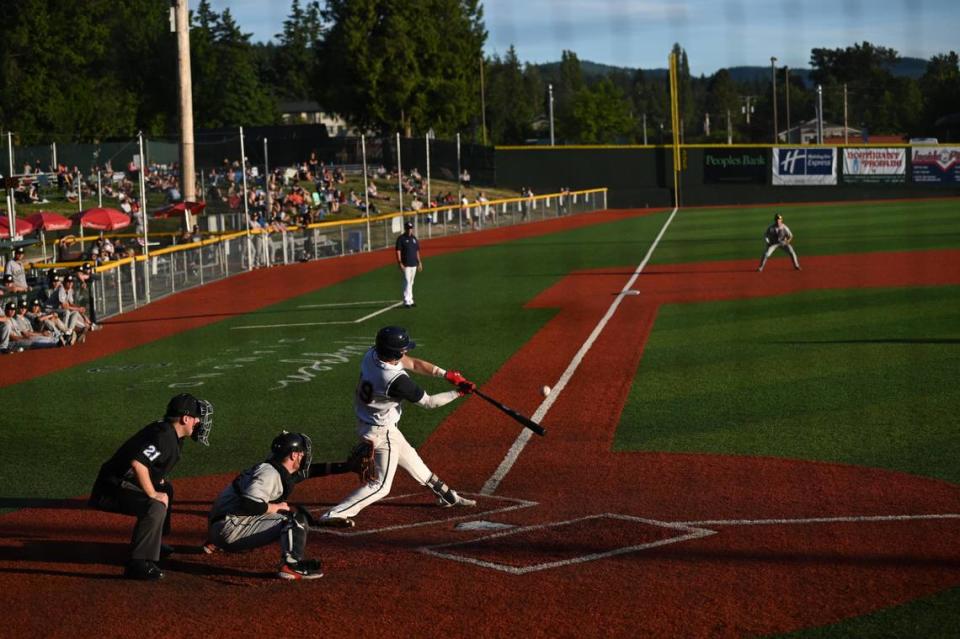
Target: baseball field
<point>728,453</point>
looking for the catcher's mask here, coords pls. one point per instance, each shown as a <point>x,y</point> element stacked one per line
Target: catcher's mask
<point>187,404</point>
<point>392,342</point>
<point>286,443</point>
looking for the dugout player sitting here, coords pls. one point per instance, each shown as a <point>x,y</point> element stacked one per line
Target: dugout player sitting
<point>134,481</point>
<point>253,510</point>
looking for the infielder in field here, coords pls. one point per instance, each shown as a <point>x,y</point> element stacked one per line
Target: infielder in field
<point>776,236</point>
<point>384,385</point>
<point>134,481</point>
<point>408,259</point>
<point>253,510</point>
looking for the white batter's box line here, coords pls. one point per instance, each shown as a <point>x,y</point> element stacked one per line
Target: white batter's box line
<point>689,533</point>
<point>853,519</point>
<point>359,320</point>
<point>470,513</point>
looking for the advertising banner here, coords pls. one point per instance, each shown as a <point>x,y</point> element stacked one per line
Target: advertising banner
<point>870,166</point>
<point>936,165</point>
<point>798,165</point>
<point>734,166</point>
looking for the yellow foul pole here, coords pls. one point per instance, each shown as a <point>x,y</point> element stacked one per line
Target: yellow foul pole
<point>675,125</point>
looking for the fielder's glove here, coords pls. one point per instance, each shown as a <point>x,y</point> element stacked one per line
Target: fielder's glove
<point>361,462</point>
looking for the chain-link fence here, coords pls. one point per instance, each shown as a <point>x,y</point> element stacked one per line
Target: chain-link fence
<point>125,284</point>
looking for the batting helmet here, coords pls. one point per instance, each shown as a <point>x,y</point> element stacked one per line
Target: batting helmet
<point>393,342</point>
<point>286,443</point>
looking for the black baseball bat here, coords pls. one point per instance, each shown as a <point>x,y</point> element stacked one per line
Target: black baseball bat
<point>526,421</point>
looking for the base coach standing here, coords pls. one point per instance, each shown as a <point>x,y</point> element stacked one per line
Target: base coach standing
<point>408,259</point>
<point>134,481</point>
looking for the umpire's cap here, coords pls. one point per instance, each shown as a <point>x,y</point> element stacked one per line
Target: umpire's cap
<point>408,225</point>
<point>183,404</point>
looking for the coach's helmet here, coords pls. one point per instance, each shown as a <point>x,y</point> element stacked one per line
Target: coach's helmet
<point>187,404</point>
<point>286,443</point>
<point>393,342</point>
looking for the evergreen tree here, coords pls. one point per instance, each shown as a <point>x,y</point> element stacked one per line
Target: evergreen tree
<point>602,114</point>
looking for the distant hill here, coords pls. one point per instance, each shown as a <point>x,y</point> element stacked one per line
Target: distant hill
<point>906,67</point>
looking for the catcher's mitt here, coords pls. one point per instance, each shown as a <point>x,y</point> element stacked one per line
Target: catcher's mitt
<point>361,462</point>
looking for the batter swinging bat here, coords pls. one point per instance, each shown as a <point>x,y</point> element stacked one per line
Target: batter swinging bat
<point>526,421</point>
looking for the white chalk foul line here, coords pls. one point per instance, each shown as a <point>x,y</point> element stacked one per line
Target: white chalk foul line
<point>354,321</point>
<point>521,441</point>
<point>336,304</point>
<point>855,519</point>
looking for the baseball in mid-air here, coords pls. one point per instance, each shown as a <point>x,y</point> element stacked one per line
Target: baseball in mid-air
<point>545,391</point>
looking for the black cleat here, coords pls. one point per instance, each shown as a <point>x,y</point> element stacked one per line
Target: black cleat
<point>143,570</point>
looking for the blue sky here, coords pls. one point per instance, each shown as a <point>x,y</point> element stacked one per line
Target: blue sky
<point>715,33</point>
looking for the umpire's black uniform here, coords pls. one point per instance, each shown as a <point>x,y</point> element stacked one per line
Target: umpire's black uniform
<point>117,489</point>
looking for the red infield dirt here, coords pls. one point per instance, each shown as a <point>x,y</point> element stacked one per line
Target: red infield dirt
<point>611,544</point>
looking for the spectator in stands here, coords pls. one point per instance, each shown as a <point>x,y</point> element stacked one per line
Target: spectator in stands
<point>465,178</point>
<point>6,280</point>
<point>14,268</point>
<point>483,208</point>
<point>61,299</point>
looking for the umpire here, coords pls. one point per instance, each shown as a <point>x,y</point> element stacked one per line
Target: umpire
<point>134,481</point>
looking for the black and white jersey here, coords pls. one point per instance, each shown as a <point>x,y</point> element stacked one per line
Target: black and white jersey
<point>778,234</point>
<point>266,483</point>
<point>381,390</point>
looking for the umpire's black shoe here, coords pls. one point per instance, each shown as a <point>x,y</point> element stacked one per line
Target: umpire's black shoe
<point>143,570</point>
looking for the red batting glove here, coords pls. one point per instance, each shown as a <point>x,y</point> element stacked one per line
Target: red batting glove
<point>454,377</point>
<point>466,387</point>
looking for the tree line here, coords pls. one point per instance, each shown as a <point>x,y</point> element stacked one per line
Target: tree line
<point>99,69</point>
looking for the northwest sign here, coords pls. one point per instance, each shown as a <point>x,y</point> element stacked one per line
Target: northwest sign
<point>872,165</point>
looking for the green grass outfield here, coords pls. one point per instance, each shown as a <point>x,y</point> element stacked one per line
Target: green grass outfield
<point>855,376</point>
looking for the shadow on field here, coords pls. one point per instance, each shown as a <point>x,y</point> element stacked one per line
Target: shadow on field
<point>278,311</point>
<point>838,558</point>
<point>15,503</point>
<point>64,551</point>
<point>879,340</point>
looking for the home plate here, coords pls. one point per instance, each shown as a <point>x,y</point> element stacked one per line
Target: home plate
<point>482,525</point>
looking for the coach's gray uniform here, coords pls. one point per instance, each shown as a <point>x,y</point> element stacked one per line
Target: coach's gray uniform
<point>232,530</point>
<point>776,236</point>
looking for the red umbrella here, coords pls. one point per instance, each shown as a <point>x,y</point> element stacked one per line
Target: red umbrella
<point>102,219</point>
<point>179,209</point>
<point>23,226</point>
<point>49,221</point>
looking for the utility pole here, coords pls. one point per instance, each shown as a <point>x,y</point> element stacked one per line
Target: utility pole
<point>786,87</point>
<point>845,129</point>
<point>773,75</point>
<point>747,108</point>
<point>820,114</point>
<point>644,129</point>
<point>550,91</point>
<point>729,129</point>
<point>483,105</point>
<point>188,182</point>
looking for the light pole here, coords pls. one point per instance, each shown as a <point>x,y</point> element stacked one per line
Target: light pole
<point>786,88</point>
<point>483,106</point>
<point>550,102</point>
<point>773,75</point>
<point>747,108</point>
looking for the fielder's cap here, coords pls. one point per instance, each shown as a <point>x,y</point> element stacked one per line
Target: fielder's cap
<point>36,302</point>
<point>184,404</point>
<point>10,306</point>
<point>18,250</point>
<point>778,216</point>
<point>87,266</point>
<point>23,304</point>
<point>67,278</point>
<point>408,225</point>
<point>7,278</point>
